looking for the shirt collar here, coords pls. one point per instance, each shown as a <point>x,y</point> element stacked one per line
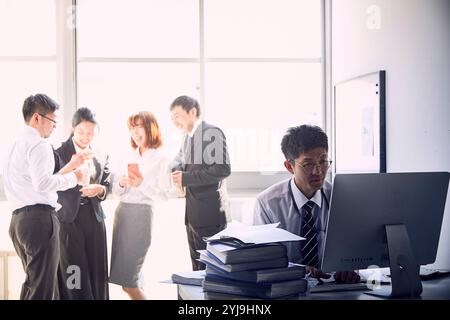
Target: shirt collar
<point>194,128</point>
<point>301,199</point>
<point>148,152</point>
<point>32,131</point>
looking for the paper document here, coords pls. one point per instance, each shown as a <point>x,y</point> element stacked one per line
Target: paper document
<point>257,234</point>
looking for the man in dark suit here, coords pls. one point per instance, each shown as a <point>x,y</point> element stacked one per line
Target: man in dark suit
<point>200,166</point>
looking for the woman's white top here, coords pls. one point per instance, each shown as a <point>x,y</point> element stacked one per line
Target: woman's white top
<point>155,168</point>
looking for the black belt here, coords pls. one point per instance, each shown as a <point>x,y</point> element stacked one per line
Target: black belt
<point>34,207</point>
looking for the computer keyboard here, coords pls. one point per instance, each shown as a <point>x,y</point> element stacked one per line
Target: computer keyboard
<point>333,287</point>
<point>430,274</point>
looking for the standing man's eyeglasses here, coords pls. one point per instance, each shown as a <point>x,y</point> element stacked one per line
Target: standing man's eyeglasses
<point>49,119</point>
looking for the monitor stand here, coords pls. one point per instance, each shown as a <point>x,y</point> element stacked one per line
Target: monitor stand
<point>404,270</point>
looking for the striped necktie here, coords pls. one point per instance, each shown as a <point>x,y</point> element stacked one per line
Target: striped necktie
<point>309,250</point>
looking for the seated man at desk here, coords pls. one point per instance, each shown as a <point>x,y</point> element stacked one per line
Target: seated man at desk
<point>301,203</point>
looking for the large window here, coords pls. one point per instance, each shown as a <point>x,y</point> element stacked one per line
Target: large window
<point>28,59</point>
<point>264,71</point>
<point>139,55</point>
<point>255,65</point>
<point>28,65</point>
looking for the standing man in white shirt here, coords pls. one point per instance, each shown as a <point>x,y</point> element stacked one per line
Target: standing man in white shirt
<point>30,187</point>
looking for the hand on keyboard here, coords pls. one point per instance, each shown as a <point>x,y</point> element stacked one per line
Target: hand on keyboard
<point>347,277</point>
<point>339,276</point>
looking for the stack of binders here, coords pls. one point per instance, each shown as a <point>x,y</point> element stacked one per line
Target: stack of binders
<point>235,270</point>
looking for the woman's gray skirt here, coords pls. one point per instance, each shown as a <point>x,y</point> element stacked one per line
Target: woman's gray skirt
<point>130,243</point>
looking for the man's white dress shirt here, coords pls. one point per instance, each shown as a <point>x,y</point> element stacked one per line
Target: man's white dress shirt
<point>28,173</point>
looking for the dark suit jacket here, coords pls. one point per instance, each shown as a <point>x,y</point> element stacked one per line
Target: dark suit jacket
<point>70,199</point>
<point>205,162</point>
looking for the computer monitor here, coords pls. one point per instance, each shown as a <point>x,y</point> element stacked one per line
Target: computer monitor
<point>359,138</point>
<point>386,220</point>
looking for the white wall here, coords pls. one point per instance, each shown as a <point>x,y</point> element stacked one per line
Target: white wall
<point>413,46</point>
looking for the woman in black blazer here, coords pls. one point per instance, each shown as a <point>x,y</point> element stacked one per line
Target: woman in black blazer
<point>83,272</point>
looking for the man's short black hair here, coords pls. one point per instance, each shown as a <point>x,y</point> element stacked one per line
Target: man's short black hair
<point>303,139</point>
<point>186,103</point>
<point>38,103</point>
<point>83,114</point>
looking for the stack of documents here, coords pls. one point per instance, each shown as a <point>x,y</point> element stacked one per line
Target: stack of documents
<point>249,262</point>
<point>227,253</point>
<point>193,278</point>
<point>292,271</point>
<point>208,258</point>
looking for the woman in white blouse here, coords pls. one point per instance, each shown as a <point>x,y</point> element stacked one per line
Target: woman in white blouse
<point>138,190</point>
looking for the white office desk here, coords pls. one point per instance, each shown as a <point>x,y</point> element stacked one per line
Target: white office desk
<point>438,289</point>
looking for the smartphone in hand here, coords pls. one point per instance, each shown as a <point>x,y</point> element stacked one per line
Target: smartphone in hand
<point>134,168</point>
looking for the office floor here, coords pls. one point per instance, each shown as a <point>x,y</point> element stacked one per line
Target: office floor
<point>168,252</point>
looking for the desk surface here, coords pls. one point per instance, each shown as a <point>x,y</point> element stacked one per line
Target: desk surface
<point>438,289</point>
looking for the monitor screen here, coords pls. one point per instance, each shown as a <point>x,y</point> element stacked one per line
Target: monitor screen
<point>359,124</point>
<point>363,204</point>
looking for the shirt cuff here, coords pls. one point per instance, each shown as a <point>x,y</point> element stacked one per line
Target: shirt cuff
<point>103,197</point>
<point>71,179</point>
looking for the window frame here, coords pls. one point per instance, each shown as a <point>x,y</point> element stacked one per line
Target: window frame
<point>68,83</point>
<point>65,68</point>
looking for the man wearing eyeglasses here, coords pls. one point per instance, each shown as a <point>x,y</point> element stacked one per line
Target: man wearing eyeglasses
<point>30,187</point>
<point>301,203</point>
